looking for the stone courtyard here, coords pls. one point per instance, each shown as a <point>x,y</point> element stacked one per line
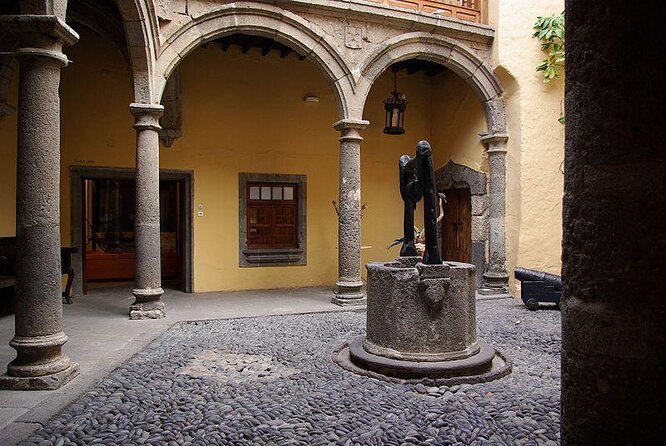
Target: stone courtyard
<point>271,380</point>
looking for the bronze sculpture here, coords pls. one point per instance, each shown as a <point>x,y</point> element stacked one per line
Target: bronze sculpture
<point>417,180</point>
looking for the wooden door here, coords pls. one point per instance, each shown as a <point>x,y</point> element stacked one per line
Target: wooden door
<point>457,226</point>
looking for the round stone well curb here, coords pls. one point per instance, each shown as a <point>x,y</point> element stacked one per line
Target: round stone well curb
<point>501,367</point>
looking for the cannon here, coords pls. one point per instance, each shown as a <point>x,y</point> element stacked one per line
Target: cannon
<point>538,286</point>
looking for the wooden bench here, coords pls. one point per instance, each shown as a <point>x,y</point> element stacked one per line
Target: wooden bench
<point>8,279</point>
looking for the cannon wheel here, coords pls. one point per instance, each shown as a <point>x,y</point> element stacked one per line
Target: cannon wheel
<point>532,304</point>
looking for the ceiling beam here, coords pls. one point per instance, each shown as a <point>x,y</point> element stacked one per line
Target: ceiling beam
<point>434,71</point>
<point>266,48</point>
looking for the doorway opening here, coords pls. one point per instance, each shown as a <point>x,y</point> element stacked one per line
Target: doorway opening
<point>103,208</point>
<point>457,225</point>
<point>108,248</point>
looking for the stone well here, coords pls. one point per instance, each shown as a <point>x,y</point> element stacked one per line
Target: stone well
<point>421,323</point>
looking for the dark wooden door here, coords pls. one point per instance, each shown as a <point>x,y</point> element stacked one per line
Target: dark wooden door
<point>457,226</point>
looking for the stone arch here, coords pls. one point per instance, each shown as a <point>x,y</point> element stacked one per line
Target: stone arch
<point>461,60</point>
<point>457,176</point>
<point>448,52</point>
<point>138,49</point>
<point>139,39</point>
<point>261,20</point>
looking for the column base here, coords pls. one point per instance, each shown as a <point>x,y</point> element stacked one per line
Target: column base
<point>44,382</point>
<point>147,305</point>
<point>349,294</point>
<point>504,291</point>
<point>494,283</point>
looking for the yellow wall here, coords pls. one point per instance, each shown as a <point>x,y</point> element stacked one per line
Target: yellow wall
<point>270,129</point>
<point>95,93</point>
<point>457,120</point>
<point>246,113</point>
<point>536,144</point>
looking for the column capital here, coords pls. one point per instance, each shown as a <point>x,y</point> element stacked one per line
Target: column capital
<point>147,116</point>
<point>43,25</point>
<point>347,124</point>
<point>490,138</point>
<point>495,142</point>
<point>55,55</point>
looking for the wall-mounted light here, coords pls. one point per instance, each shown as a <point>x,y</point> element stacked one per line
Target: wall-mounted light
<point>311,98</point>
<point>395,107</point>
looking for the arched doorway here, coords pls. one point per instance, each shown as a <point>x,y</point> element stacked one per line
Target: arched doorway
<point>464,228</point>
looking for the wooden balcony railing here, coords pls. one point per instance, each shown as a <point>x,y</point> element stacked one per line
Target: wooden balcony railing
<point>469,10</point>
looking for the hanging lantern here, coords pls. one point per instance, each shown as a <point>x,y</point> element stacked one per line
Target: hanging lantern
<point>395,110</point>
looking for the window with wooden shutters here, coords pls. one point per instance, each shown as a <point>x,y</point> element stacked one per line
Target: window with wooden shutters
<point>272,219</point>
<point>272,211</point>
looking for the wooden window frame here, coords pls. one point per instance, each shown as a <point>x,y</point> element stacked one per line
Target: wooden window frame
<point>272,204</point>
<point>271,255</point>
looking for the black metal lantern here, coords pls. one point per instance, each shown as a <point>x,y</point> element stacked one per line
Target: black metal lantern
<point>395,111</point>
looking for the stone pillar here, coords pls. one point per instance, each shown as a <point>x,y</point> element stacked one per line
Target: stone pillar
<point>39,338</point>
<point>614,240</point>
<point>496,278</point>
<point>148,288</point>
<point>349,285</point>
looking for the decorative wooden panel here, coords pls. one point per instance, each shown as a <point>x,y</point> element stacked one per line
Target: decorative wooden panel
<point>259,225</point>
<point>272,215</point>
<point>284,226</point>
<point>468,10</point>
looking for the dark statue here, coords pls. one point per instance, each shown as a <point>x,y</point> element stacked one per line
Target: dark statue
<point>417,180</point>
<point>411,195</point>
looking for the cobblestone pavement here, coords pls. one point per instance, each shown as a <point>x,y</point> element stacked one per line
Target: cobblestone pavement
<point>271,381</point>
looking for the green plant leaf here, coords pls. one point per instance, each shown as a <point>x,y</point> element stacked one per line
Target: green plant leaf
<point>549,30</point>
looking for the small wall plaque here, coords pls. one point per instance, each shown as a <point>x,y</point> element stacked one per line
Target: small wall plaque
<point>353,37</point>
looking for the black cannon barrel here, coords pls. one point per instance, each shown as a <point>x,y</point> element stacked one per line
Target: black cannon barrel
<point>525,274</point>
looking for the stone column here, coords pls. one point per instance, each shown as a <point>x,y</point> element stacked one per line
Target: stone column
<point>614,231</point>
<point>349,285</point>
<point>148,288</point>
<point>496,278</point>
<point>39,338</point>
